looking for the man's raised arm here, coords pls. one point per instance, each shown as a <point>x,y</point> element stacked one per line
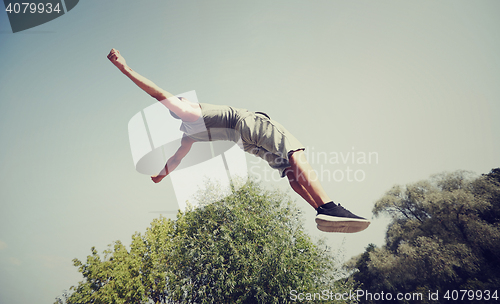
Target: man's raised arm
<point>145,84</point>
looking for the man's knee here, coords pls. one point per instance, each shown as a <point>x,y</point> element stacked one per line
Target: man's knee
<point>296,156</point>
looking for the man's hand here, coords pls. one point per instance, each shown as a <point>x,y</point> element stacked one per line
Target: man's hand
<point>117,59</point>
<point>159,177</point>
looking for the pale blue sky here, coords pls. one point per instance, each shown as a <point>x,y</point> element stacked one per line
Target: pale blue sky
<point>415,82</point>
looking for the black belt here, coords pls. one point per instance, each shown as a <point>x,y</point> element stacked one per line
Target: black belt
<point>262,113</point>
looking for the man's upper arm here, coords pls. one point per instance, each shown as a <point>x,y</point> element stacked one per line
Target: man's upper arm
<point>185,111</point>
<point>173,103</point>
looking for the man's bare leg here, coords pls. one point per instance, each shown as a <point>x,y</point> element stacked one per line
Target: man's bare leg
<point>300,190</point>
<point>304,174</point>
<point>331,217</point>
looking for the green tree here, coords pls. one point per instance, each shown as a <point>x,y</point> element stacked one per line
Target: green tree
<point>444,235</point>
<point>126,276</point>
<point>249,247</point>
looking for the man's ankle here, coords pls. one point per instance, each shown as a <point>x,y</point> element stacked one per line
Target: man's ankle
<point>328,205</point>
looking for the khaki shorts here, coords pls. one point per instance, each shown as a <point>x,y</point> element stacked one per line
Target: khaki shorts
<point>268,140</point>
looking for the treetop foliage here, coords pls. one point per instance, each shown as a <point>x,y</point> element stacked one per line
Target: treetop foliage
<point>444,234</point>
<point>249,247</point>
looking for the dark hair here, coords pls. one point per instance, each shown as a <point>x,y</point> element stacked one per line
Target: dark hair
<point>174,115</point>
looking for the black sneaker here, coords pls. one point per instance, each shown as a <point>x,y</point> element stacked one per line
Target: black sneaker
<point>335,218</point>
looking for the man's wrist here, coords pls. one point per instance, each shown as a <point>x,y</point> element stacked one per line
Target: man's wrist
<point>125,69</point>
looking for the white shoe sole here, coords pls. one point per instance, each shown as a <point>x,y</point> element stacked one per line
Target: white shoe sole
<point>340,224</point>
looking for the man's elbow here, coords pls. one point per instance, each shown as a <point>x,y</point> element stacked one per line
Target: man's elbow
<point>158,96</point>
<point>161,95</point>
